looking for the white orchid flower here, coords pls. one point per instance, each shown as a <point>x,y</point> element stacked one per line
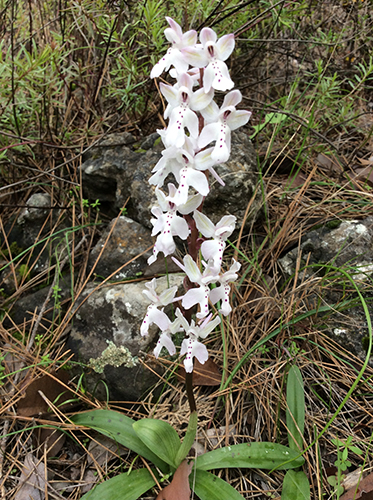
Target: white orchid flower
<point>210,55</point>
<point>191,346</point>
<point>213,248</point>
<point>168,223</point>
<point>165,339</point>
<point>222,122</point>
<point>222,292</point>
<point>182,102</point>
<point>174,56</point>
<point>153,314</point>
<point>200,294</point>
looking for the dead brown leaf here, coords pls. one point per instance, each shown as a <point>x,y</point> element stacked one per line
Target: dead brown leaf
<point>52,386</point>
<point>32,480</point>
<point>364,490</point>
<point>179,488</point>
<point>206,374</point>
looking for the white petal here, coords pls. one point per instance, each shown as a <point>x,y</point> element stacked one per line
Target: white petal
<point>225,46</point>
<point>208,77</point>
<point>238,118</point>
<point>200,99</point>
<point>209,133</point>
<point>167,296</point>
<point>211,112</point>
<point>180,227</point>
<point>198,180</point>
<point>189,38</point>
<point>192,204</point>
<point>204,224</point>
<point>174,26</point>
<point>191,269</point>
<point>192,297</point>
<point>164,341</point>
<point>207,35</point>
<point>170,93</point>
<point>195,56</point>
<point>232,99</point>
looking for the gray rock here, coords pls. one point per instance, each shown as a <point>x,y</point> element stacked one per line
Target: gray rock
<point>118,175</point>
<point>348,246</point>
<point>121,242</point>
<point>114,314</point>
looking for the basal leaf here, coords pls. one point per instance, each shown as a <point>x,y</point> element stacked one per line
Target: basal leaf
<point>296,486</point>
<point>160,437</point>
<point>251,455</point>
<point>295,410</point>
<point>118,427</point>
<point>189,438</point>
<point>122,487</point>
<point>210,487</point>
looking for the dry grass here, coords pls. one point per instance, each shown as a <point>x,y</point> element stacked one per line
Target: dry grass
<point>267,311</point>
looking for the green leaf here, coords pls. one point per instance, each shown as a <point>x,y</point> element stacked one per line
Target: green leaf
<point>210,487</point>
<point>122,487</point>
<point>118,427</point>
<point>251,455</point>
<point>160,437</point>
<point>296,486</point>
<point>188,440</point>
<point>295,410</point>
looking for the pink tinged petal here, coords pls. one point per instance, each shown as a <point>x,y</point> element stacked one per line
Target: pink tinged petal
<point>167,296</point>
<point>232,99</point>
<point>208,77</point>
<point>172,35</point>
<point>238,119</point>
<point>170,93</point>
<point>208,327</point>
<point>192,297</point>
<point>183,322</point>
<point>180,228</point>
<point>203,160</point>
<point>189,38</point>
<point>195,56</point>
<point>191,269</point>
<point>211,112</point>
<point>200,99</point>
<point>192,204</point>
<point>209,134</point>
<point>165,341</point>
<point>226,225</point>
<point>185,80</point>
<point>204,224</point>
<point>174,26</point>
<point>207,35</point>
<point>225,46</point>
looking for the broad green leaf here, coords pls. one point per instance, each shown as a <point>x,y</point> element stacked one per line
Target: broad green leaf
<point>189,438</point>
<point>296,486</point>
<point>210,487</point>
<point>160,437</point>
<point>118,427</point>
<point>251,455</point>
<point>295,410</point>
<point>123,487</point>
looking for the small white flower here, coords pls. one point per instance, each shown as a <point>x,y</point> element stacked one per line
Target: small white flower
<point>222,292</point>
<point>221,123</point>
<point>153,314</point>
<point>214,248</point>
<point>210,55</point>
<point>174,56</point>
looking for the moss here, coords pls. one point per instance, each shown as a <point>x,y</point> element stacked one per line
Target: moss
<point>333,224</point>
<point>113,356</point>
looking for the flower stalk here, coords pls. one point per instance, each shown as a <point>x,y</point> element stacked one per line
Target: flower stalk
<point>197,138</point>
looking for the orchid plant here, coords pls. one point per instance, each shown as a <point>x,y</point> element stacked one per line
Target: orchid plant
<point>197,138</point>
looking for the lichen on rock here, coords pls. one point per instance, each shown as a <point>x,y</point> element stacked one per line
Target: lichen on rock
<point>114,356</point>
